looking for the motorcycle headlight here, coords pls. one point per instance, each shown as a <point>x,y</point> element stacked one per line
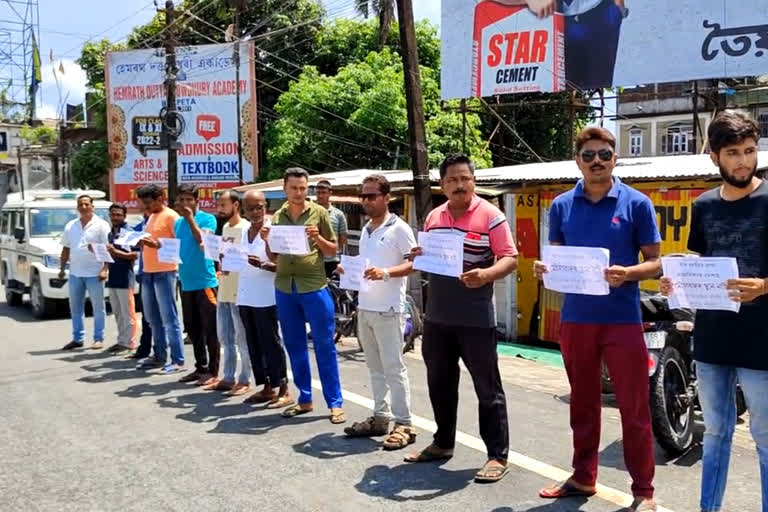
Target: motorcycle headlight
<point>51,261</point>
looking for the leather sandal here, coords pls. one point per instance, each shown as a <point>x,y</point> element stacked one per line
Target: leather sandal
<point>400,437</point>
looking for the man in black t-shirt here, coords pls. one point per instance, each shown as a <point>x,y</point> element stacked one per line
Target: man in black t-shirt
<point>732,221</point>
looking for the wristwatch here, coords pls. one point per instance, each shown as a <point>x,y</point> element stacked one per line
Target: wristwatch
<point>386,276</point>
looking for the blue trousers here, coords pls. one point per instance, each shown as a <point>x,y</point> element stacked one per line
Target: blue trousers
<point>77,288</point>
<point>294,310</point>
<point>717,393</point>
<point>158,297</point>
<point>591,44</point>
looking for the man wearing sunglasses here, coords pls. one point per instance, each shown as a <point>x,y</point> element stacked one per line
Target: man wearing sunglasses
<point>603,212</point>
<point>380,318</point>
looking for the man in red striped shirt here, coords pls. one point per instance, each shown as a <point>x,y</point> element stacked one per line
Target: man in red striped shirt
<point>461,322</point>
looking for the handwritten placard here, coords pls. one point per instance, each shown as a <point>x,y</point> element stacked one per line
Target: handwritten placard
<point>234,258</point>
<point>101,253</point>
<point>130,238</point>
<point>700,283</point>
<point>354,268</point>
<point>579,270</point>
<point>288,240</point>
<point>442,254</point>
<point>212,246</point>
<point>169,251</point>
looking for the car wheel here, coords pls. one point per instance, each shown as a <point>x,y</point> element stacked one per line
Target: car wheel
<point>41,306</point>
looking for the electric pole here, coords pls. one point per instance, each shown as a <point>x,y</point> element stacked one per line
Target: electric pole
<point>416,131</point>
<point>238,5</point>
<point>695,94</point>
<point>171,116</point>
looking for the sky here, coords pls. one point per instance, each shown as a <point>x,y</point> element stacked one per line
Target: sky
<point>65,26</point>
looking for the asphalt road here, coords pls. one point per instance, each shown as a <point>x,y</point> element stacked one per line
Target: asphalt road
<point>85,431</point>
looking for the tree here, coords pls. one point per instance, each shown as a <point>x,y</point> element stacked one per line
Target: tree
<point>385,12</point>
<point>39,135</point>
<point>357,119</point>
<point>90,166</point>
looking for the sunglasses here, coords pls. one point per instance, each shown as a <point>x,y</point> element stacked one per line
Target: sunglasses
<point>369,197</point>
<point>605,155</point>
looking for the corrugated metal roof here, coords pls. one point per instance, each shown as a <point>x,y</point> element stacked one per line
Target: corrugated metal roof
<point>662,167</point>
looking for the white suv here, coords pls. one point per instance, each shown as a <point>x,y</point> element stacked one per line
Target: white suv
<point>30,245</point>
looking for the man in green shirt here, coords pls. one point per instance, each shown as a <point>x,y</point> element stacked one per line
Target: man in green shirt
<point>301,295</point>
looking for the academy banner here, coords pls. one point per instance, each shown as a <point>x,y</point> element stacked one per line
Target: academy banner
<point>492,47</point>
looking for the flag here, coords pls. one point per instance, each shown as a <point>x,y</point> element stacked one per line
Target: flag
<point>61,67</point>
<point>37,75</point>
<point>51,56</point>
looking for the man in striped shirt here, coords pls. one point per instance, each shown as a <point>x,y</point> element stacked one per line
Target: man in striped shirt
<point>461,322</point>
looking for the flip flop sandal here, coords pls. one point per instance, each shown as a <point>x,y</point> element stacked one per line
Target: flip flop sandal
<point>427,455</point>
<point>338,418</point>
<point>489,474</point>
<point>261,398</point>
<point>294,410</point>
<point>400,437</point>
<point>565,490</point>
<point>280,402</point>
<point>367,428</point>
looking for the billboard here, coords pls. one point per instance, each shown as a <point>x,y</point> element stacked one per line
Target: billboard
<point>494,47</point>
<point>205,98</point>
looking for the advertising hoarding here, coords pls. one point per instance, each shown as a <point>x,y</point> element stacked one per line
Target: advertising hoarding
<point>205,98</point>
<point>499,46</point>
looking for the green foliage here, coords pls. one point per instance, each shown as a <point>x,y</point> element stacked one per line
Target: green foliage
<point>39,135</point>
<point>90,166</point>
<point>93,59</point>
<point>358,119</point>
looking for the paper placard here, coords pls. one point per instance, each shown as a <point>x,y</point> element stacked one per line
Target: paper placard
<point>212,246</point>
<point>288,240</point>
<point>169,251</point>
<point>130,238</point>
<point>579,270</point>
<point>700,283</point>
<point>354,268</point>
<point>234,258</point>
<point>101,253</point>
<point>442,254</point>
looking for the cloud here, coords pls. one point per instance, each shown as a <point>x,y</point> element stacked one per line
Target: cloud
<point>71,87</point>
<point>429,9</point>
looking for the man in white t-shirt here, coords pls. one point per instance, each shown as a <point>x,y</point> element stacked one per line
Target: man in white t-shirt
<point>256,301</point>
<point>384,241</point>
<point>86,273</point>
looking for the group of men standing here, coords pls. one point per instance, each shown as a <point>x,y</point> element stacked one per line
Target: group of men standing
<point>238,313</point>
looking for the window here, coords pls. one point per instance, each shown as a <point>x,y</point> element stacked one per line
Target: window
<point>50,222</point>
<point>678,140</point>
<point>635,142</point>
<point>762,120</point>
<point>5,222</point>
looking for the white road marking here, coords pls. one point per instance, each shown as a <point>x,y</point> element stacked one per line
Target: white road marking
<point>548,471</point>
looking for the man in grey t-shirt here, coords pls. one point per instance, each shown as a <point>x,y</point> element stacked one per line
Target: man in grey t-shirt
<point>338,222</point>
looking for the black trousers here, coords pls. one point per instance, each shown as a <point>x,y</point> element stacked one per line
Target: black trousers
<point>330,266</point>
<point>264,345</point>
<point>145,342</point>
<point>442,347</point>
<point>199,309</point>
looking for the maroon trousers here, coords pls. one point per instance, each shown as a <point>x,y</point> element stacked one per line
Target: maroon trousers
<point>623,349</point>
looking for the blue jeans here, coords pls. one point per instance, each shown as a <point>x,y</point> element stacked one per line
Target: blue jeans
<point>717,393</point>
<point>77,289</point>
<point>294,310</point>
<point>158,296</point>
<point>231,333</point>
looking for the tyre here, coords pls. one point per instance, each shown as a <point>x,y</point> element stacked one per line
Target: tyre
<point>41,306</point>
<point>671,403</point>
<point>12,298</point>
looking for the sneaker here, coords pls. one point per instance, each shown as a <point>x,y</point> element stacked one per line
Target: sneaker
<point>121,349</point>
<point>172,368</point>
<point>190,377</point>
<point>149,363</point>
<point>97,345</point>
<point>72,345</point>
<point>114,348</point>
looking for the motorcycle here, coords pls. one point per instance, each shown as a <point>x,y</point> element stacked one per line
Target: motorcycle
<point>669,336</point>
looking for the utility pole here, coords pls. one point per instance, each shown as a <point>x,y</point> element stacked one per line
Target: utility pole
<point>171,115</point>
<point>416,131</point>
<point>695,115</point>
<point>238,5</point>
<point>464,126</point>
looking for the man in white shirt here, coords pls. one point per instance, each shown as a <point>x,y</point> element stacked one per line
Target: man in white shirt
<point>256,301</point>
<point>384,242</point>
<point>85,272</point>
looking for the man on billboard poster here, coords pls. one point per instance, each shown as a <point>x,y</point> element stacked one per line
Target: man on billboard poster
<point>592,30</point>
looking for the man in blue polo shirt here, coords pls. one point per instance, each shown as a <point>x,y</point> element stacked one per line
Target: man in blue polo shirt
<point>603,212</point>
<point>198,285</point>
